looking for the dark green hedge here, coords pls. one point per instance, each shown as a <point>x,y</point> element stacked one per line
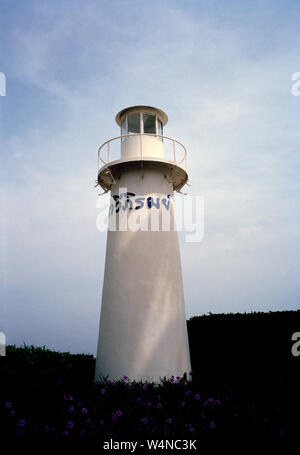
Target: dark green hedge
<point>245,382</point>
<point>248,347</point>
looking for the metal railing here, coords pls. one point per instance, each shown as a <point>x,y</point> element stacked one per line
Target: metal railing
<point>106,148</point>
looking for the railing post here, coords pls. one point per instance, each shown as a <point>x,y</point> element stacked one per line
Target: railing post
<point>141,145</point>
<point>108,152</point>
<point>174,151</point>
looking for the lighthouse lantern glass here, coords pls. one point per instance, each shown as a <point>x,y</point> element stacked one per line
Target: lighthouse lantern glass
<point>141,123</point>
<point>133,123</point>
<point>160,129</point>
<point>149,124</point>
<point>123,129</point>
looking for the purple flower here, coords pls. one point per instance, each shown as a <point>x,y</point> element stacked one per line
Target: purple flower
<point>212,425</point>
<point>70,425</point>
<point>21,423</point>
<point>144,387</point>
<point>177,377</point>
<point>8,404</point>
<point>188,392</point>
<point>182,404</point>
<point>189,427</point>
<point>159,406</point>
<point>65,433</point>
<point>103,391</point>
<point>101,422</point>
<point>12,413</point>
<point>71,409</point>
<point>169,420</point>
<point>70,398</point>
<point>116,414</point>
<point>47,428</point>
<point>125,377</point>
<point>138,400</point>
<point>144,420</point>
<point>84,411</point>
<point>88,421</point>
<point>197,396</point>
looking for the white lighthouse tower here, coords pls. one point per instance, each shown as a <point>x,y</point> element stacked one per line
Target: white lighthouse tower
<point>143,332</point>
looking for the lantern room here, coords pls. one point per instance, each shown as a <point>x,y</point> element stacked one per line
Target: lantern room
<point>142,144</point>
<point>142,120</point>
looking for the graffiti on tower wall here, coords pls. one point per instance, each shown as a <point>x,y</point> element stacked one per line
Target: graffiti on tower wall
<point>130,201</point>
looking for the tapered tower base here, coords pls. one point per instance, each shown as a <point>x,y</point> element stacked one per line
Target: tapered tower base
<point>143,331</point>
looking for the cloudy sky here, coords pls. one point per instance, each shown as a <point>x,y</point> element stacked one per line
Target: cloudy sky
<point>222,72</point>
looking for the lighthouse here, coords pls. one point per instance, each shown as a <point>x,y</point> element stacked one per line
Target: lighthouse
<point>143,332</point>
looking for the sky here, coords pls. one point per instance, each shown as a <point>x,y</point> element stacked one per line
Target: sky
<point>222,72</point>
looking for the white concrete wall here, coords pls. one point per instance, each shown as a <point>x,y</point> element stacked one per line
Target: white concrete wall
<point>143,330</point>
<point>142,145</point>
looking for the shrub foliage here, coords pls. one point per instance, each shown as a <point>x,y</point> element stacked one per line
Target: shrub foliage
<point>244,381</point>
